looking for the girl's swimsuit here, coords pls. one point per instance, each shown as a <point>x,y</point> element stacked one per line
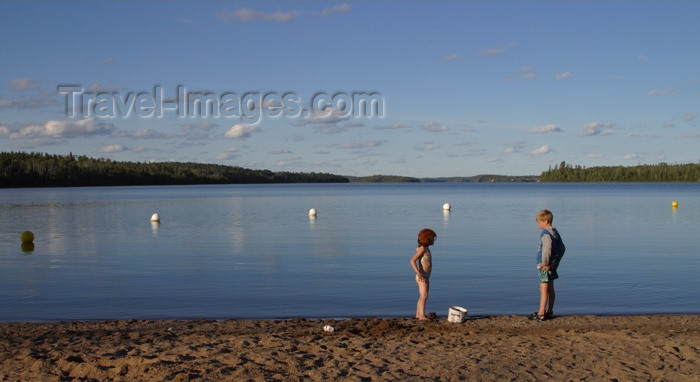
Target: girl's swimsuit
<point>425,259</point>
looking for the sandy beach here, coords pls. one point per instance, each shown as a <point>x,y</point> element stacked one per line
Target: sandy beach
<point>625,348</point>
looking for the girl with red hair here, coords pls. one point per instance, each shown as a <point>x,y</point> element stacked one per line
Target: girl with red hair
<point>422,264</point>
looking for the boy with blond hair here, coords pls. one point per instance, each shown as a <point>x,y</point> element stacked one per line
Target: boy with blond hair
<point>549,254</point>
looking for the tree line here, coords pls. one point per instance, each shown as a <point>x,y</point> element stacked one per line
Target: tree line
<point>661,172</point>
<point>19,169</point>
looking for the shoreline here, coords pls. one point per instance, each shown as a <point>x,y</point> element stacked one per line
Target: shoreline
<point>624,347</point>
<point>433,316</point>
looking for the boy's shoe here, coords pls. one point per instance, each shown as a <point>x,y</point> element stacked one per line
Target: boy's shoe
<point>537,317</point>
<point>549,315</point>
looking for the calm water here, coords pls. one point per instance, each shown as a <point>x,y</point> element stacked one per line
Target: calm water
<point>251,251</point>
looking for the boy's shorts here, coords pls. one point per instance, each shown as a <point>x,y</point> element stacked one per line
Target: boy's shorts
<point>547,276</point>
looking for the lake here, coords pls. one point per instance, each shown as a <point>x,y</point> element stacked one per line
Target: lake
<point>252,251</point>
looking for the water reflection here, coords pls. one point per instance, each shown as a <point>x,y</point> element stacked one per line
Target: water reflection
<point>154,227</point>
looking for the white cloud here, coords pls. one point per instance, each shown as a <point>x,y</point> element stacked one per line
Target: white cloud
<point>562,76</point>
<point>116,148</point>
<point>295,138</point>
<point>330,129</point>
<point>541,150</point>
<point>527,73</point>
<point>690,117</point>
<point>138,149</point>
<point>198,130</point>
<point>339,8</point>
<point>434,127</point>
<point>198,126</point>
<point>279,152</point>
<point>97,88</point>
<point>324,164</point>
<point>450,57</point>
<point>354,124</point>
<point>551,128</point>
<point>64,129</point>
<point>241,130</point>
<point>632,156</point>
<point>476,152</point>
<point>149,134</point>
<point>596,128</point>
<point>515,148</point>
<point>248,14</point>
<point>329,116</point>
<point>291,162</point>
<point>395,126</point>
<point>20,84</point>
<point>34,101</point>
<point>664,91</point>
<point>142,134</point>
<point>229,154</point>
<point>595,155</point>
<point>427,146</point>
<point>493,52</point>
<point>362,145</point>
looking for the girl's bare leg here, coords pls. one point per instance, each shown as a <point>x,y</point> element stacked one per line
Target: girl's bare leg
<point>423,287</point>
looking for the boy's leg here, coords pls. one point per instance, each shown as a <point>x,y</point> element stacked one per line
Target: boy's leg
<point>544,293</point>
<point>551,295</point>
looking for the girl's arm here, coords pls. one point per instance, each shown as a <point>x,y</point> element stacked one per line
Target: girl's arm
<point>415,259</point>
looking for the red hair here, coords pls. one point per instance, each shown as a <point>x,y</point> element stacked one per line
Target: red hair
<point>426,237</point>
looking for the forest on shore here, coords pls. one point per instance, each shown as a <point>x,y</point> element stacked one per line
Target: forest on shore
<point>47,170</point>
<point>20,169</point>
<point>661,172</point>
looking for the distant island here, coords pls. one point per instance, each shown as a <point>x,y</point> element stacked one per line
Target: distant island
<point>455,179</point>
<point>20,169</point>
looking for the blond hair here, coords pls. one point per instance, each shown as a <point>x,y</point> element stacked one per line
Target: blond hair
<point>545,215</point>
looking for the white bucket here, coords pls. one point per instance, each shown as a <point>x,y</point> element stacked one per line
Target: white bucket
<point>456,314</point>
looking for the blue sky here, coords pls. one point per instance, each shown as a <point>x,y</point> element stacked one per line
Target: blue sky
<point>459,88</point>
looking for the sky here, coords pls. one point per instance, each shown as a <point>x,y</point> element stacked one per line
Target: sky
<point>412,88</point>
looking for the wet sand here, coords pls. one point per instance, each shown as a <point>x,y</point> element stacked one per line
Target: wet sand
<point>625,348</point>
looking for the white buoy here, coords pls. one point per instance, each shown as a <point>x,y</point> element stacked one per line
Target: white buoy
<point>446,207</point>
<point>155,218</point>
<point>312,212</point>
